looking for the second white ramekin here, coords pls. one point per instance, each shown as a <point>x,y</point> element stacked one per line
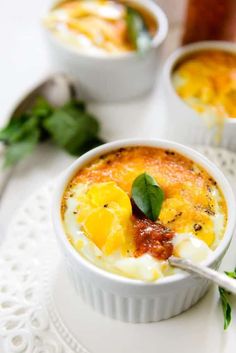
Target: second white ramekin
<point>111,78</point>
<point>184,124</point>
<point>131,300</point>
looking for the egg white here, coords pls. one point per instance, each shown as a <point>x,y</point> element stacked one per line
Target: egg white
<point>145,267</point>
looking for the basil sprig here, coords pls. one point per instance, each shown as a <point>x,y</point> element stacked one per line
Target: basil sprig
<point>225,301</point>
<point>71,127</point>
<point>138,32</point>
<point>147,196</point>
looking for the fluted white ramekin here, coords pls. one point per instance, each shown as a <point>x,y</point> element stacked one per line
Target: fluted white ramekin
<point>127,299</point>
<point>116,77</point>
<point>184,124</point>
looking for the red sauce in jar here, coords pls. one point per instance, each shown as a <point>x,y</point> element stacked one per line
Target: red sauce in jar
<point>153,238</point>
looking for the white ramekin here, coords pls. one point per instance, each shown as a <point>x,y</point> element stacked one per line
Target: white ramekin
<point>110,78</point>
<point>127,299</point>
<point>184,124</point>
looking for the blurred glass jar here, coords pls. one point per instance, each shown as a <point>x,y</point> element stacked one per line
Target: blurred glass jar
<point>210,20</point>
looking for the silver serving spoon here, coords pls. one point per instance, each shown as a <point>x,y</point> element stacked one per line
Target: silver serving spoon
<point>57,89</point>
<point>218,278</point>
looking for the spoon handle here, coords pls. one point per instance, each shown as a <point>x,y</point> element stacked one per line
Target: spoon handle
<point>219,278</point>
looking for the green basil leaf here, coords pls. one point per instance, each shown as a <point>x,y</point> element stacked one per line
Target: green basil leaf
<point>224,298</point>
<point>225,303</point>
<point>138,33</point>
<point>231,274</point>
<point>41,108</point>
<point>18,129</point>
<point>13,130</point>
<point>70,127</point>
<point>147,195</point>
<point>73,132</point>
<point>74,105</point>
<point>20,149</point>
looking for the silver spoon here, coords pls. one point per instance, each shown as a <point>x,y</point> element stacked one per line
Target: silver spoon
<point>220,279</point>
<point>57,89</point>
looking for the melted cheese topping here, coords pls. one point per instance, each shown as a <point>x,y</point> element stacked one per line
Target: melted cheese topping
<point>95,27</point>
<point>206,81</point>
<point>97,213</point>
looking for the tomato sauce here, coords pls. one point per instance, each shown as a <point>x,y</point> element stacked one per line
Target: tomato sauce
<point>153,238</point>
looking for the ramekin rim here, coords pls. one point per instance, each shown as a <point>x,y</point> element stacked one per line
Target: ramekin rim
<point>162,143</point>
<point>157,40</point>
<point>183,51</point>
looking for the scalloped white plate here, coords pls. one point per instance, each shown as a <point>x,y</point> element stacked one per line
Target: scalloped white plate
<point>40,312</point>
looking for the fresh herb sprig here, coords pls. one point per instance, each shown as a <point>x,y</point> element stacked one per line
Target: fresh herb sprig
<point>138,32</point>
<point>147,196</point>
<point>225,301</point>
<point>70,127</point>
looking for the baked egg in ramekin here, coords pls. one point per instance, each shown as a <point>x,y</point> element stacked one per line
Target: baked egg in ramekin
<point>88,41</point>
<point>118,258</point>
<point>200,94</point>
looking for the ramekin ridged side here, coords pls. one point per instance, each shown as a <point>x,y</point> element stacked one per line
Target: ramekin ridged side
<point>184,124</point>
<point>134,307</point>
<point>127,299</point>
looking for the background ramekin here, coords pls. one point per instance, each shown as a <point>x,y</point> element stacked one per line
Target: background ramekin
<point>184,124</point>
<point>131,300</point>
<point>111,77</point>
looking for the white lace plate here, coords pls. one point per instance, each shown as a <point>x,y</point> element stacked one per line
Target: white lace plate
<point>40,312</point>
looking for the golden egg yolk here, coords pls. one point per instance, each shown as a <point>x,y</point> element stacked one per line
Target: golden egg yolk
<point>104,212</point>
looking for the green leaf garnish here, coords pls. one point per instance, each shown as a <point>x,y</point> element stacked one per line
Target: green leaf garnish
<point>225,301</point>
<point>231,274</point>
<point>147,195</point>
<point>21,149</point>
<point>41,108</point>
<point>70,127</point>
<point>138,33</point>
<point>224,298</point>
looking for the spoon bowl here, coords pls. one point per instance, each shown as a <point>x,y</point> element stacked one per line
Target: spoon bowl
<point>56,89</point>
